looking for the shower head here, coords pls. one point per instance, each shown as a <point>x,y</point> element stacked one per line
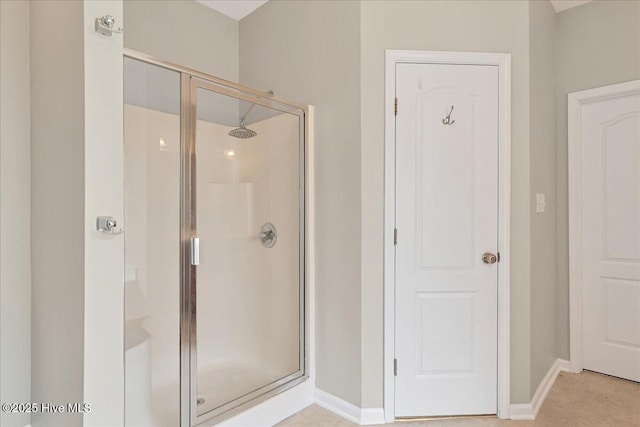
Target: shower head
<point>242,132</point>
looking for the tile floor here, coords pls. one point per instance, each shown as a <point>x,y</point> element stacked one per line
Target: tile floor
<point>576,400</point>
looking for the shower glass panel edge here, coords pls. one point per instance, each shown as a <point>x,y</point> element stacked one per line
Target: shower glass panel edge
<point>186,269</point>
<point>190,80</point>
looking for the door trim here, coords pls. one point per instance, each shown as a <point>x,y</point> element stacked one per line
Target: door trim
<point>575,102</point>
<point>503,62</point>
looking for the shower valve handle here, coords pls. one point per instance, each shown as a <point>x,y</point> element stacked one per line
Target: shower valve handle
<point>268,235</point>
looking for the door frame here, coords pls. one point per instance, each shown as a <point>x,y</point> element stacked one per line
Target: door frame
<point>575,102</point>
<point>503,62</point>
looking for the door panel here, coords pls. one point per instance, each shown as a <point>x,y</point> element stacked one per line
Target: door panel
<point>622,208</point>
<point>445,347</point>
<point>446,216</point>
<point>446,219</point>
<point>610,136</point>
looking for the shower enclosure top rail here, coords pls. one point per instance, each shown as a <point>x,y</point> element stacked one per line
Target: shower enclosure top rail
<point>222,82</point>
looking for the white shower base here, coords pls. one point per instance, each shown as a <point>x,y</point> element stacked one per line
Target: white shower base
<point>217,384</point>
<point>223,382</point>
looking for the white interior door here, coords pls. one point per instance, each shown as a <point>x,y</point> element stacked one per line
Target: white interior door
<point>446,219</point>
<point>610,142</point>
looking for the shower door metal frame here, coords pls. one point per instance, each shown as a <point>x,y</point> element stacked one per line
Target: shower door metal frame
<point>243,402</point>
<point>190,81</point>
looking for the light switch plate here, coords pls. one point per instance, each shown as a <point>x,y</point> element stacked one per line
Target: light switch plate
<point>540,203</point>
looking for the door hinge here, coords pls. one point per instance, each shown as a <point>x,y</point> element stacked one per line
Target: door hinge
<point>498,256</point>
<point>395,236</point>
<point>395,107</point>
<point>395,367</point>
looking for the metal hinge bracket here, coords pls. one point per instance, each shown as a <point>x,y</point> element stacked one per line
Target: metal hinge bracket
<point>105,26</point>
<point>395,367</point>
<point>395,107</point>
<point>395,236</point>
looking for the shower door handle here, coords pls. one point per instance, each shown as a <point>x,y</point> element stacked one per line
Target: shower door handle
<point>195,251</point>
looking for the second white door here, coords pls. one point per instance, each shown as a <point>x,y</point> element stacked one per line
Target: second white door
<point>610,212</point>
<point>446,220</point>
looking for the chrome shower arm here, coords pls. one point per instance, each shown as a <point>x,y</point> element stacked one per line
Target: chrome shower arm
<point>246,114</point>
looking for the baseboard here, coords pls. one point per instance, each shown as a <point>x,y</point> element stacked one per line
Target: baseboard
<point>361,416</point>
<point>337,405</point>
<point>521,411</point>
<point>371,416</point>
<point>529,411</point>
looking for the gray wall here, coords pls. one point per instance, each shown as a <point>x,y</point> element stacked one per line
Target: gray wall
<point>183,32</point>
<point>302,49</point>
<point>15,242</point>
<point>57,202</point>
<point>308,51</point>
<point>598,44</point>
<point>543,180</point>
<point>480,26</point>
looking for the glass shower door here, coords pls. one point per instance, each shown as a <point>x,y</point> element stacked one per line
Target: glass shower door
<point>246,178</point>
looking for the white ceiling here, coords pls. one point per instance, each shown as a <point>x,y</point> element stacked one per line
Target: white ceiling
<point>236,9</point>
<point>560,5</point>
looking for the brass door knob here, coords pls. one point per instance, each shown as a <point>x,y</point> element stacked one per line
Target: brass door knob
<point>489,258</point>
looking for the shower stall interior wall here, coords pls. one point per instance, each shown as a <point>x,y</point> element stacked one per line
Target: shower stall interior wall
<point>205,341</point>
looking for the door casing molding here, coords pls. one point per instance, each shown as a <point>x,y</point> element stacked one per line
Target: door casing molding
<point>575,102</point>
<point>503,62</point>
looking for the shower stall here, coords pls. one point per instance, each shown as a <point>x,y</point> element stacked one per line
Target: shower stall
<point>215,249</point>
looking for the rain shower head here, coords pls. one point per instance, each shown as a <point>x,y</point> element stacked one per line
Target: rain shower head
<point>242,132</point>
